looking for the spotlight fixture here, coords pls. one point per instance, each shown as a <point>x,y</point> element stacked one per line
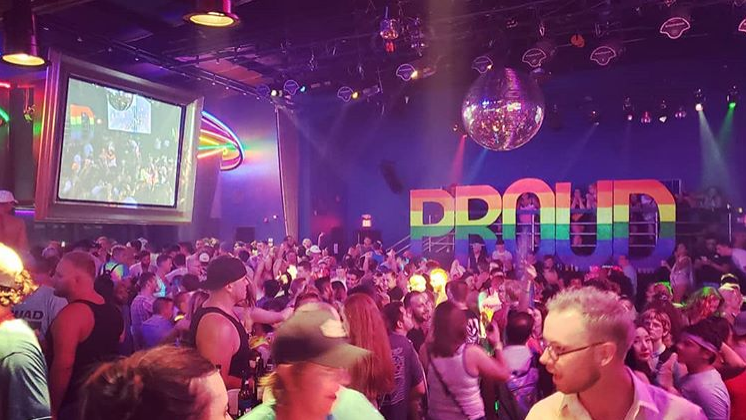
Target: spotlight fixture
<point>263,90</point>
<point>629,109</point>
<point>742,26</point>
<point>345,93</point>
<point>291,87</point>
<point>733,97</point>
<point>542,51</point>
<point>679,22</point>
<point>699,100</point>
<point>594,117</point>
<point>482,64</point>
<point>645,118</point>
<point>389,31</point>
<point>213,13</point>
<point>355,95</point>
<point>19,36</point>
<point>680,114</point>
<point>606,52</point>
<point>662,112</point>
<point>406,72</point>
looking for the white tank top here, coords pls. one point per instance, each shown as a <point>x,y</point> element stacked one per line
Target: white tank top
<point>463,386</point>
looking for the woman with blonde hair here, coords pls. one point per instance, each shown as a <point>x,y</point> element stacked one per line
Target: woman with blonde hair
<point>374,375</point>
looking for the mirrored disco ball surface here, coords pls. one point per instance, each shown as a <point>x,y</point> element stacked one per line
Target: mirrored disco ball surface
<point>503,109</point>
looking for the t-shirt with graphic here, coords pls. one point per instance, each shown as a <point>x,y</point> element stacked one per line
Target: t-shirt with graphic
<point>40,309</point>
<point>407,374</point>
<point>472,327</point>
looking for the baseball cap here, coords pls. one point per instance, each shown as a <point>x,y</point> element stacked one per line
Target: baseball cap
<point>12,275</point>
<point>223,271</point>
<point>314,250</point>
<point>7,197</point>
<point>739,325</point>
<point>315,336</point>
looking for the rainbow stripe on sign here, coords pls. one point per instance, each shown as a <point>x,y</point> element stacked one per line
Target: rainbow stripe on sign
<point>216,138</point>
<point>612,219</point>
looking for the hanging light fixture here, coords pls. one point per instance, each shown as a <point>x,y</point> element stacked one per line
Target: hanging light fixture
<point>20,47</point>
<point>213,13</point>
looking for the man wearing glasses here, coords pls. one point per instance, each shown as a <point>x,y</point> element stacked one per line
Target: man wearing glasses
<point>588,333</point>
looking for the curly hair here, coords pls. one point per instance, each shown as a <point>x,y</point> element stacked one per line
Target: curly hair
<point>15,295</point>
<point>12,271</point>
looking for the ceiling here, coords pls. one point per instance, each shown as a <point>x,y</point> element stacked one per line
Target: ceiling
<point>338,41</point>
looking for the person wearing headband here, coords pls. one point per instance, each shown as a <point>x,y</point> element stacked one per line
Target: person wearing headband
<point>698,347</point>
<point>23,373</point>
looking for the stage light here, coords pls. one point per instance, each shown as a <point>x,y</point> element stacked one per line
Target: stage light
<point>482,64</point>
<point>679,22</point>
<point>389,30</point>
<point>19,33</point>
<point>417,283</point>
<point>302,89</point>
<point>646,118</point>
<point>291,87</point>
<point>629,109</point>
<point>594,117</point>
<point>699,100</point>
<point>733,97</point>
<point>274,92</point>
<point>742,26</point>
<point>541,52</point>
<point>345,93</point>
<point>606,52</point>
<point>662,112</point>
<point>213,13</point>
<point>263,91</point>
<point>680,114</point>
<point>407,72</point>
<point>355,95</point>
<point>367,221</point>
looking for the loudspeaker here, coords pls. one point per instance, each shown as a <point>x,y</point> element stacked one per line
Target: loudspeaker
<point>388,170</point>
<point>335,242</point>
<point>245,234</point>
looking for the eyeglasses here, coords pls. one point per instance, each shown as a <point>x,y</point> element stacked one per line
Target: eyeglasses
<point>555,355</point>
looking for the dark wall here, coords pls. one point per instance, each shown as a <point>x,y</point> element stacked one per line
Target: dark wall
<point>417,146</point>
<point>249,196</point>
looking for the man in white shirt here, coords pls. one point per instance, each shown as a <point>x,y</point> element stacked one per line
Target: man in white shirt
<point>588,334</point>
<point>503,255</point>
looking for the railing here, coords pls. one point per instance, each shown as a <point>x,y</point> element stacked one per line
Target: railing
<point>643,233</point>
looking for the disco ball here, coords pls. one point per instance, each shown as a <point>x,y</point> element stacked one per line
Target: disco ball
<point>503,109</point>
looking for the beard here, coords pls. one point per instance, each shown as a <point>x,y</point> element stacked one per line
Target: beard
<point>578,384</point>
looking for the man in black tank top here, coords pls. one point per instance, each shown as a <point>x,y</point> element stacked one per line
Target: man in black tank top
<point>85,333</point>
<point>219,335</point>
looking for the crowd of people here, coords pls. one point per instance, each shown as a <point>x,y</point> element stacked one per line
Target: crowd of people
<point>106,330</point>
<point>118,166</point>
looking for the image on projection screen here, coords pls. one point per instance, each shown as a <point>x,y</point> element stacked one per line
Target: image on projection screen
<point>119,147</point>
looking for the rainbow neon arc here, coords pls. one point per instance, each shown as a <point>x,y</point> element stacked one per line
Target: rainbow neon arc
<point>451,214</point>
<point>216,138</point>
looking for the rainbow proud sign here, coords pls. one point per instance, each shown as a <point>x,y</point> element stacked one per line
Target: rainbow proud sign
<point>612,219</point>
